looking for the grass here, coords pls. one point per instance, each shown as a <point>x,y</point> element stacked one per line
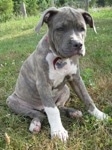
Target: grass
<point>17,41</point>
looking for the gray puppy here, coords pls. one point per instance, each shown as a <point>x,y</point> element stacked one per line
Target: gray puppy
<point>41,86</point>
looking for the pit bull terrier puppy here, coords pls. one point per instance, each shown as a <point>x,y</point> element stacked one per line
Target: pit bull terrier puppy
<point>41,87</point>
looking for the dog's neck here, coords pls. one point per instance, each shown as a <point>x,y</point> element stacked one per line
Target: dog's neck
<point>58,61</point>
<point>52,46</point>
<point>47,38</point>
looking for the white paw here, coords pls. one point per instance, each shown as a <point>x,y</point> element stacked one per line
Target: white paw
<point>62,134</point>
<point>98,114</point>
<point>35,126</point>
<point>57,129</point>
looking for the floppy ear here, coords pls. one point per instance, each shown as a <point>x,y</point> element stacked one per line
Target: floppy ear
<point>88,19</point>
<point>46,17</point>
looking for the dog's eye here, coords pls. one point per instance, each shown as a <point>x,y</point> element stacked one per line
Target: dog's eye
<point>82,29</point>
<point>60,29</point>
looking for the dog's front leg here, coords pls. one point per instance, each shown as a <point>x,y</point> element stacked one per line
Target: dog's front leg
<point>78,86</point>
<point>51,110</point>
<point>57,129</point>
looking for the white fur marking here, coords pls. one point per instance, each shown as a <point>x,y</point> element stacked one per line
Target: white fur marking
<point>33,125</point>
<point>57,75</point>
<point>98,114</point>
<point>74,37</point>
<point>54,119</point>
<point>84,51</point>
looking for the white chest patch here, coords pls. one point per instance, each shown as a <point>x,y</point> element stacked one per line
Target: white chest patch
<point>56,74</point>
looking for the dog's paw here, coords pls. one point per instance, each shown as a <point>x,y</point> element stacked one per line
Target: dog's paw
<point>73,113</point>
<point>35,126</point>
<point>77,114</point>
<point>99,114</point>
<point>102,116</point>
<point>62,134</point>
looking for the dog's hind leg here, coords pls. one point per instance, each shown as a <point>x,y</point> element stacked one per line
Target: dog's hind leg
<point>20,107</point>
<point>38,117</point>
<point>70,112</point>
<point>63,98</point>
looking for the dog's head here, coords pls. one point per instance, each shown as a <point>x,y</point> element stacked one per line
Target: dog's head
<point>67,30</point>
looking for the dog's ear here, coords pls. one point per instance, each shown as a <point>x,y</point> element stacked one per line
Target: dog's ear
<point>46,17</point>
<point>88,19</point>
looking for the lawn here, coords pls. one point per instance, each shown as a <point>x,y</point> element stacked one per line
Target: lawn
<point>17,42</point>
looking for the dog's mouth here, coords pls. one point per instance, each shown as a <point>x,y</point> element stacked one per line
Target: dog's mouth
<point>78,52</point>
<point>71,53</point>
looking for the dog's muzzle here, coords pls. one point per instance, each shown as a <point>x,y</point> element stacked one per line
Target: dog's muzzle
<point>76,47</point>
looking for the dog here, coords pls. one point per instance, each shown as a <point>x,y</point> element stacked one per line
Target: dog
<point>41,89</point>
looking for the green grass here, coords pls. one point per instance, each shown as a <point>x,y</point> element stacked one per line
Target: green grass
<point>17,41</point>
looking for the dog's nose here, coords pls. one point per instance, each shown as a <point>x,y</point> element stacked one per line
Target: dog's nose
<point>77,45</point>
